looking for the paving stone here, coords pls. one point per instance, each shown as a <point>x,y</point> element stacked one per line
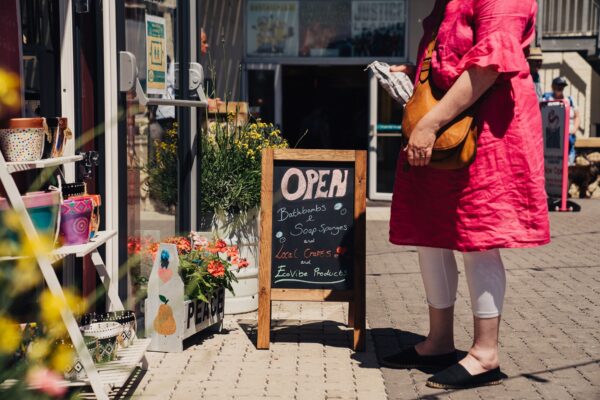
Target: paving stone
<point>551,309</point>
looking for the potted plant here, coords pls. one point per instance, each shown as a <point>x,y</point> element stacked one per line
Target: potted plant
<point>230,195</point>
<point>186,287</point>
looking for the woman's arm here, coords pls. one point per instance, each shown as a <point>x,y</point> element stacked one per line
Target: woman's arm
<point>469,87</point>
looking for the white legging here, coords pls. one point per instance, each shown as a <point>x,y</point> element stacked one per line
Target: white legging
<point>485,277</point>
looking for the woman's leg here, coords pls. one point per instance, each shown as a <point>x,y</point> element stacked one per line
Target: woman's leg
<point>440,278</point>
<point>487,284</point>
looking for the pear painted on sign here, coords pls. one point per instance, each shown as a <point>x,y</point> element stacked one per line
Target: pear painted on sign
<point>164,323</point>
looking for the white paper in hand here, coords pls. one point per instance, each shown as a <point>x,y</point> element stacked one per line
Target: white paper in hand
<point>397,84</point>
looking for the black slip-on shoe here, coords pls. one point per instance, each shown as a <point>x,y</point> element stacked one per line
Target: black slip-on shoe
<point>457,377</point>
<point>409,358</point>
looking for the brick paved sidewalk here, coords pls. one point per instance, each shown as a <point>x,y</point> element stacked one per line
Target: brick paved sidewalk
<point>310,358</point>
<point>550,336</point>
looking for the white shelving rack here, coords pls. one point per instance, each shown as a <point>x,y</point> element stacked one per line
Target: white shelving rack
<point>103,377</point>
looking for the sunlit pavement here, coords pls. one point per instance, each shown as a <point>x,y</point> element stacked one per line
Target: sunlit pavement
<point>550,334</point>
<point>550,338</point>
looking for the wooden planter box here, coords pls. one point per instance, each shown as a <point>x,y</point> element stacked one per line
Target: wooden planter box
<point>169,318</point>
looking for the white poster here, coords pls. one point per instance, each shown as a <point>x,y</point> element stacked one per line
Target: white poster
<point>272,28</point>
<point>379,28</point>
<point>553,127</point>
<point>156,55</point>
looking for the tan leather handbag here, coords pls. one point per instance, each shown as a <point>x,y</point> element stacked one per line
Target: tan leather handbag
<point>456,143</point>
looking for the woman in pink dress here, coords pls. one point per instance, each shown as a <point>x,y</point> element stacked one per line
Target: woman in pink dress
<point>497,202</point>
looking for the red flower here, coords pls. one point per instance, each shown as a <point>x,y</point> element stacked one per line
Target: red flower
<point>221,245</point>
<point>232,251</point>
<point>213,250</point>
<point>183,244</point>
<point>133,245</point>
<point>243,263</point>
<point>216,268</point>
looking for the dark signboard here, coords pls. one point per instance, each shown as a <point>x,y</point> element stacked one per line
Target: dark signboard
<point>312,233</point>
<point>313,216</point>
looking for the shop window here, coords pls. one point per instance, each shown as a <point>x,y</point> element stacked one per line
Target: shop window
<point>152,138</point>
<point>326,28</point>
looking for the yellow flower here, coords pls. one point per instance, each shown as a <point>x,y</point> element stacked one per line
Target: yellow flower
<point>10,337</point>
<point>39,349</point>
<point>51,307</point>
<point>27,275</point>
<point>10,94</point>
<point>12,221</point>
<point>43,245</point>
<point>62,358</point>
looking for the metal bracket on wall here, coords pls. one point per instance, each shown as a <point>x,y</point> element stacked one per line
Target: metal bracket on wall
<point>129,80</point>
<point>90,160</point>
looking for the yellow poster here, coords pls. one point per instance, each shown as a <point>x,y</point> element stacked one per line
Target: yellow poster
<point>156,55</point>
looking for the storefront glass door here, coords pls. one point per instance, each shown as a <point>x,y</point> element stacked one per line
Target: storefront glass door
<point>152,137</point>
<point>385,132</point>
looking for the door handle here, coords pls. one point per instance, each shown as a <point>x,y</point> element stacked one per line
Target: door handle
<point>129,79</point>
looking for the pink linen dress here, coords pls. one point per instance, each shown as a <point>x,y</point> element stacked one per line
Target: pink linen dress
<point>499,201</point>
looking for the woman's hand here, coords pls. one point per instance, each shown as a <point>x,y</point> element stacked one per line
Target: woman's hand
<point>469,86</point>
<point>420,144</point>
<point>406,68</point>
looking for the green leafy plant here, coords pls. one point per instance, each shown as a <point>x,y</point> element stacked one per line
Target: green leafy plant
<point>231,164</point>
<point>204,266</point>
<point>162,170</point>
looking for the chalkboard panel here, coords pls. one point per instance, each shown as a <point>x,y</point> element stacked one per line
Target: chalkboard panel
<point>312,225</point>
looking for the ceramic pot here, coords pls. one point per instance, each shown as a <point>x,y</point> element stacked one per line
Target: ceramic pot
<point>106,333</point>
<point>43,207</point>
<point>23,139</point>
<point>76,370</point>
<point>125,317</point>
<point>75,217</point>
<point>60,133</point>
<point>95,220</point>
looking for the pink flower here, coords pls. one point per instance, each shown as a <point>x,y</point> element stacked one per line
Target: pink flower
<point>46,381</point>
<point>199,241</point>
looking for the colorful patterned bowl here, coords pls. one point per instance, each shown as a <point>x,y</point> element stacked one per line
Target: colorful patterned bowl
<point>76,370</point>
<point>95,221</point>
<point>126,318</point>
<point>75,217</point>
<point>43,209</point>
<point>23,139</point>
<point>107,334</point>
<point>60,133</point>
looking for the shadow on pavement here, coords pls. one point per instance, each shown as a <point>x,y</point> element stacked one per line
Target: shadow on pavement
<point>327,333</point>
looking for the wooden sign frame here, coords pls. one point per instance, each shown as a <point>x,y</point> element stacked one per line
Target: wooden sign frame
<point>356,296</point>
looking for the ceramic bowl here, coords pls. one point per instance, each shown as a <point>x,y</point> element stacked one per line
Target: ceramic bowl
<point>107,334</point>
<point>126,318</point>
<point>76,370</point>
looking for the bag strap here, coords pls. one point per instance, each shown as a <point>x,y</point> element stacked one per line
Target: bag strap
<point>426,64</point>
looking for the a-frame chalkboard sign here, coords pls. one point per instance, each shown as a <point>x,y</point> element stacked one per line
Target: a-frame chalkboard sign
<point>312,235</point>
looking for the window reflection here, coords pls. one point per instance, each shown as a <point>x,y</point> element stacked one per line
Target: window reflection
<point>151,138</point>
